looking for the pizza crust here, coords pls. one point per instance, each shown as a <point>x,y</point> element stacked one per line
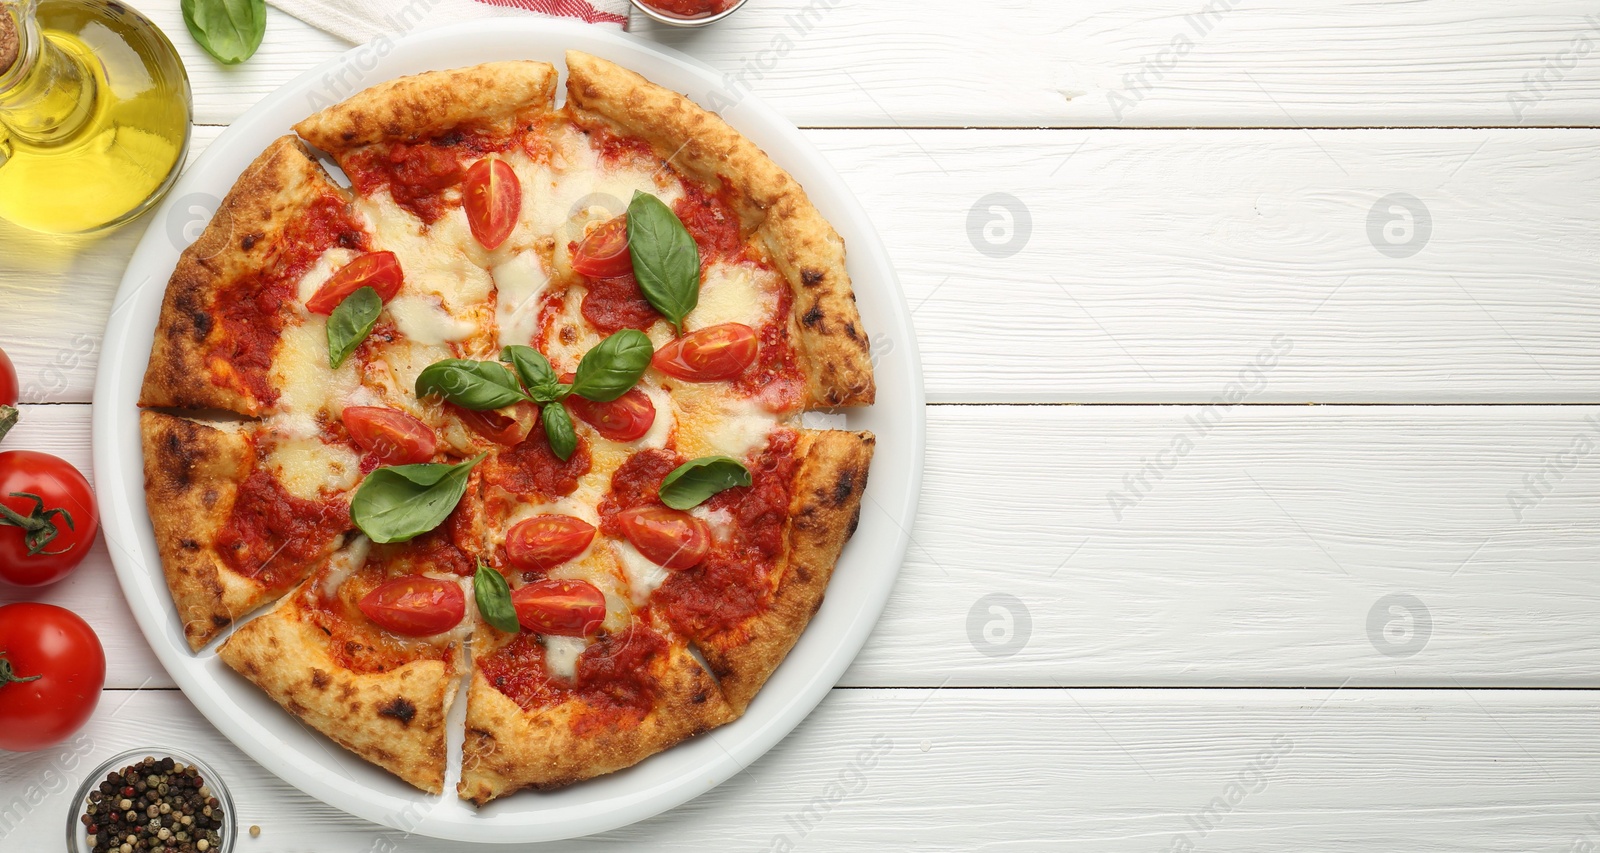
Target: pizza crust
<point>824,508</point>
<point>802,245</point>
<point>241,239</point>
<point>394,719</point>
<point>495,95</point>
<point>508,749</point>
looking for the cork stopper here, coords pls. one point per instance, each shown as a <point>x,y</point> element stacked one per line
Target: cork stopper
<point>8,38</point>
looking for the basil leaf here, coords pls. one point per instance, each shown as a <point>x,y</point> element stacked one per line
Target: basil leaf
<point>398,503</point>
<point>493,594</point>
<point>666,261</point>
<point>229,30</point>
<point>691,483</point>
<point>470,384</point>
<point>535,372</point>
<point>615,365</point>
<point>558,428</point>
<point>350,324</point>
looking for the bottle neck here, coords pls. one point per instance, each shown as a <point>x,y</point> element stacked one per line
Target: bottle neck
<point>48,93</point>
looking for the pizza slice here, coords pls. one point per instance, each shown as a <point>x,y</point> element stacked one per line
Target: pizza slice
<point>241,514</point>
<point>368,651</point>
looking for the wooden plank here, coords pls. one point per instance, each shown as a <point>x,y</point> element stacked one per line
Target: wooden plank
<point>1027,770</point>
<point>1158,265</point>
<point>1289,546</point>
<point>1153,63</point>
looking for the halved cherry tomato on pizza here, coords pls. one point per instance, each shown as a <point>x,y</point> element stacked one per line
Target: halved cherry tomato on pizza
<point>497,427</point>
<point>48,518</point>
<point>492,196</point>
<point>626,418</point>
<point>547,541</point>
<point>415,606</point>
<point>9,391</point>
<point>710,354</point>
<point>564,608</point>
<point>377,270</point>
<point>395,437</point>
<point>666,537</point>
<point>604,251</point>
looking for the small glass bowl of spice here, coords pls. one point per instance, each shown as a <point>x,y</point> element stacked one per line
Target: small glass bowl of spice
<point>688,13</point>
<point>152,801</point>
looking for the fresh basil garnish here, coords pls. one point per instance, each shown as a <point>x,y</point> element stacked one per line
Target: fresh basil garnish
<point>229,30</point>
<point>470,384</point>
<point>691,483</point>
<point>493,594</point>
<point>398,503</point>
<point>614,366</point>
<point>535,372</point>
<point>558,429</point>
<point>666,261</point>
<point>350,323</point>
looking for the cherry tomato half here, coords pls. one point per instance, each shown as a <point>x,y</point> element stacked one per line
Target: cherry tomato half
<point>497,427</point>
<point>547,541</point>
<point>626,418</point>
<point>377,270</point>
<point>51,670</point>
<point>395,437</point>
<point>566,608</point>
<point>492,196</point>
<point>710,354</point>
<point>604,251</point>
<point>50,536</point>
<point>9,390</point>
<point>666,537</point>
<point>415,606</point>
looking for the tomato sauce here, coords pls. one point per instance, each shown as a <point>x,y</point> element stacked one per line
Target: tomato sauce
<point>775,377</point>
<point>614,677</point>
<point>690,8</point>
<point>636,483</point>
<point>249,314</point>
<point>733,583</point>
<point>617,303</point>
<point>354,642</point>
<point>272,535</point>
<point>713,222</point>
<point>418,173</point>
<point>532,468</point>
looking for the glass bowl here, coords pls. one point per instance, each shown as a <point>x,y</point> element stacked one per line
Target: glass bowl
<point>77,833</point>
<point>672,20</point>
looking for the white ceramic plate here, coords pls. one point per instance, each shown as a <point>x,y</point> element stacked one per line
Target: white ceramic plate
<point>856,596</point>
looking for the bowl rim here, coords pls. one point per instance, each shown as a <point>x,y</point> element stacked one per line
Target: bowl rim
<point>77,833</point>
<point>674,21</point>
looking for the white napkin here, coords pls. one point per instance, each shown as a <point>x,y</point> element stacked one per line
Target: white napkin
<point>361,21</point>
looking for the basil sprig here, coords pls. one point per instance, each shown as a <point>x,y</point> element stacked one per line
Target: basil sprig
<point>493,595</point>
<point>401,502</point>
<point>666,261</point>
<point>610,369</point>
<point>350,324</point>
<point>470,384</point>
<point>534,370</point>
<point>691,483</point>
<point>229,30</point>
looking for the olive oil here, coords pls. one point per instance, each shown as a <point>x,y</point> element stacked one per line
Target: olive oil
<point>94,115</point>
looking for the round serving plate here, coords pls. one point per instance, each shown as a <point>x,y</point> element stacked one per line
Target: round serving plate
<point>856,595</point>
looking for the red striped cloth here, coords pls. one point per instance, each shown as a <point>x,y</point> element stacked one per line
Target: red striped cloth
<point>365,20</point>
<point>563,9</point>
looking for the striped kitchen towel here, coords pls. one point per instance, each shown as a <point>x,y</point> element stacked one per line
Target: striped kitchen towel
<point>361,21</point>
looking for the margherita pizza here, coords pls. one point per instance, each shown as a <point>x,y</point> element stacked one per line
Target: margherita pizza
<point>517,409</point>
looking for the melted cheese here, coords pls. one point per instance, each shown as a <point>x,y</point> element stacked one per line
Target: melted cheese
<point>442,261</point>
<point>713,421</point>
<point>300,370</point>
<point>719,520</point>
<point>318,275</point>
<point>574,186</point>
<point>424,319</point>
<point>345,562</point>
<point>565,354</point>
<point>735,293</point>
<point>311,469</point>
<point>644,576</point>
<point>519,282</point>
<point>561,655</point>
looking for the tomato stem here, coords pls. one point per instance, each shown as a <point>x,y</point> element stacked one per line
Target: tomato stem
<point>38,526</point>
<point>8,419</point>
<point>9,676</point>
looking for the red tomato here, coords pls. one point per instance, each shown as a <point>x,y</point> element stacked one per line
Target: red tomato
<point>43,541</point>
<point>547,541</point>
<point>626,418</point>
<point>562,608</point>
<point>666,537</point>
<point>377,270</point>
<point>710,354</point>
<point>492,196</point>
<point>415,606</point>
<point>395,437</point>
<point>9,392</point>
<point>604,251</point>
<point>51,670</point>
<point>497,427</point>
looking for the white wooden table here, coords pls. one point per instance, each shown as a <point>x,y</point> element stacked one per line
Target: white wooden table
<point>1360,610</point>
